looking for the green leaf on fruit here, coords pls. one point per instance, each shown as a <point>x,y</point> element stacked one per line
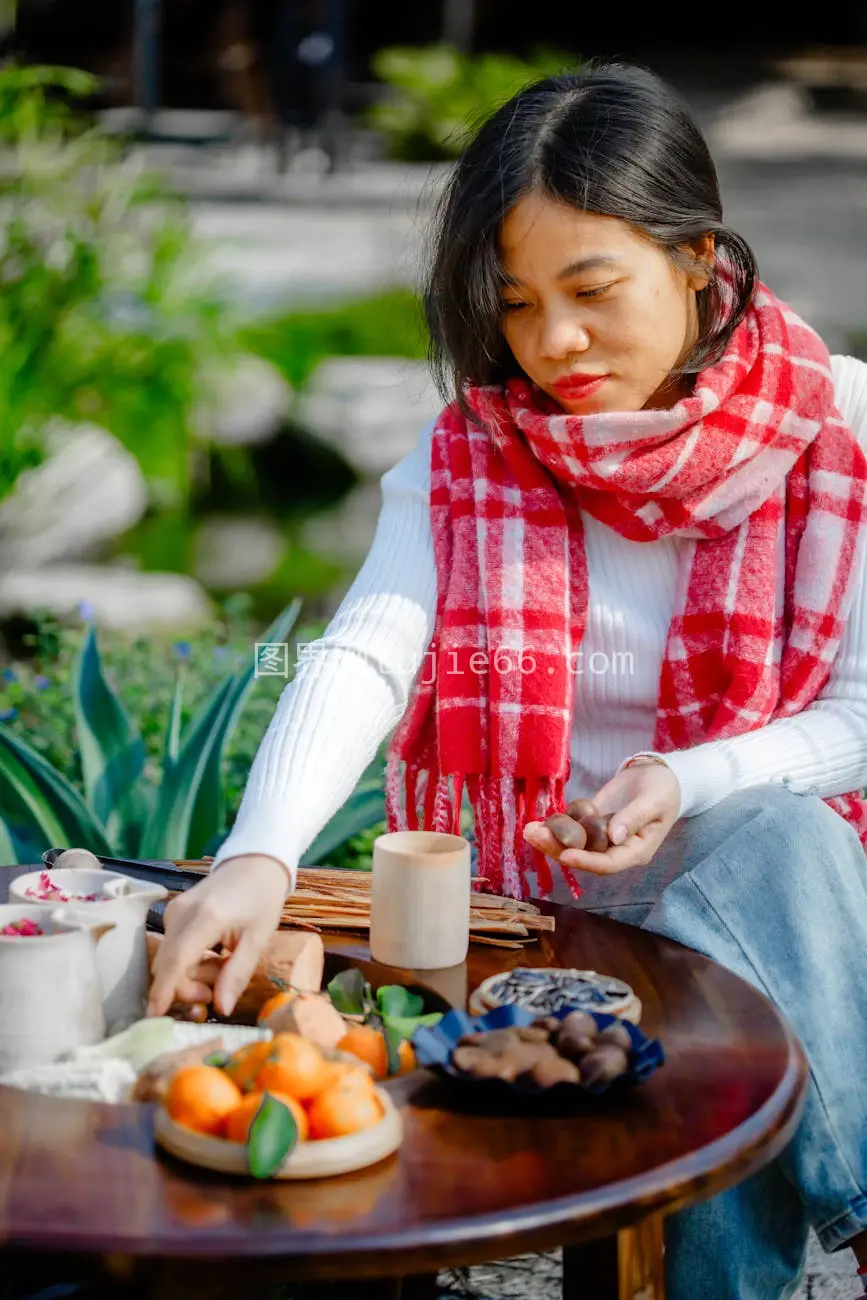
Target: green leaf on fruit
<point>346,991</point>
<point>273,1134</point>
<point>392,1048</point>
<point>394,1001</point>
<point>407,1025</point>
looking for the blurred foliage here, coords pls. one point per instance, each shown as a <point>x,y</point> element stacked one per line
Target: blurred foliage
<point>858,344</point>
<point>38,704</point>
<point>161,771</point>
<point>439,96</point>
<point>387,324</point>
<point>105,314</point>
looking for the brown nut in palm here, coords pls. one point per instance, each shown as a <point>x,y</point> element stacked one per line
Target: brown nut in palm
<point>595,824</point>
<point>569,832</point>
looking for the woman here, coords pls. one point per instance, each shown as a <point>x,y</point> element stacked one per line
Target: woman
<point>629,558</point>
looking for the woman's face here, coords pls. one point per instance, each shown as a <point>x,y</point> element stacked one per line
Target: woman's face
<point>595,314</point>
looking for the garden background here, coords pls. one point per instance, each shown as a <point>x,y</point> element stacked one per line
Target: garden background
<point>211,347</point>
<point>212,234</point>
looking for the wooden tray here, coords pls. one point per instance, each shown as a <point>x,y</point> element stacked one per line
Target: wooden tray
<point>320,1159</point>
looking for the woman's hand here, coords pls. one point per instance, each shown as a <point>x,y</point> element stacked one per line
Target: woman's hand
<point>643,802</point>
<point>197,985</point>
<point>239,906</point>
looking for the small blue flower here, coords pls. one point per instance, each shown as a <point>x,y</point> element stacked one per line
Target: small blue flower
<point>182,649</point>
<point>41,682</point>
<point>8,715</point>
<point>85,609</point>
<point>9,675</point>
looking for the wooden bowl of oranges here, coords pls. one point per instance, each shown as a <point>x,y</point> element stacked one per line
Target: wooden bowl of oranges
<point>281,1108</point>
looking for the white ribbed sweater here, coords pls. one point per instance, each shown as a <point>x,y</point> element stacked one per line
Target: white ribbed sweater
<point>352,685</point>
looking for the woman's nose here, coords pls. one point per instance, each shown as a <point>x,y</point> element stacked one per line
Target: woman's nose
<point>562,336</point>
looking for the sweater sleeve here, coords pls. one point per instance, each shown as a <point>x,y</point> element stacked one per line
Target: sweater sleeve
<point>823,749</point>
<point>351,686</point>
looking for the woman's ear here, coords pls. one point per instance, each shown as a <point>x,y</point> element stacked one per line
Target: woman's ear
<point>702,250</point>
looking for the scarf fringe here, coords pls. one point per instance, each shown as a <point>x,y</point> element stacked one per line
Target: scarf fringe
<point>502,806</point>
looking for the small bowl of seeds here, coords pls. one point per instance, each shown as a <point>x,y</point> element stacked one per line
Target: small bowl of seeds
<point>546,990</point>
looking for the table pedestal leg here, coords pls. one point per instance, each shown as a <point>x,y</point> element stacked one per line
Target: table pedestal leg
<point>626,1267</point>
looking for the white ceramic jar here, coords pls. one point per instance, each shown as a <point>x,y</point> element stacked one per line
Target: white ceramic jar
<point>50,989</point>
<point>122,959</point>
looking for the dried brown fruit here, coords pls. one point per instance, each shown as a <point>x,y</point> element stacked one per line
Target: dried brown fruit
<point>554,1069</point>
<point>533,1034</point>
<point>579,1022</point>
<point>617,1034</point>
<point>603,1064</point>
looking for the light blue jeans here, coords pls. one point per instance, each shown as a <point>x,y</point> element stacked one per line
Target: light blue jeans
<point>772,885</point>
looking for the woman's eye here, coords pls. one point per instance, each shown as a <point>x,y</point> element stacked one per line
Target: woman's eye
<point>512,306</point>
<point>592,293</point>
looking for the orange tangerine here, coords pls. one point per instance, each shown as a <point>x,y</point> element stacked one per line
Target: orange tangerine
<point>295,1066</point>
<point>244,1065</point>
<point>368,1044</point>
<point>238,1122</point>
<point>274,1003</point>
<point>348,1106</point>
<point>200,1097</point>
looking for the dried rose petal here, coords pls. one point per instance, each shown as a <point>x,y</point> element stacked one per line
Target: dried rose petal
<point>46,891</point>
<point>25,929</point>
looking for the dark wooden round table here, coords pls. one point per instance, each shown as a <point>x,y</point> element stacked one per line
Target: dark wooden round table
<point>83,1188</point>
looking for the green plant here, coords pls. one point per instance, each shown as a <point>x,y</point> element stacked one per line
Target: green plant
<point>440,96</point>
<point>104,313</point>
<point>159,791</point>
<point>384,324</point>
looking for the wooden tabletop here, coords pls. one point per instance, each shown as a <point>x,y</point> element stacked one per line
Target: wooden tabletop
<point>466,1185</point>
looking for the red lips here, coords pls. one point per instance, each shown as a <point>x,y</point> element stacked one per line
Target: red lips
<point>572,387</point>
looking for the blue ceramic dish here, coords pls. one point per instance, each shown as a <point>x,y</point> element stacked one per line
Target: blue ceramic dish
<point>434,1046</point>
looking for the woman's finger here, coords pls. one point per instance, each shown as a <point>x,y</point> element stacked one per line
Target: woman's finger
<point>237,970</point>
<point>180,952</point>
<point>632,819</point>
<point>636,852</point>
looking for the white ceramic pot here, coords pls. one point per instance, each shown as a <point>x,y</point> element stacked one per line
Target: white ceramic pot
<point>50,990</point>
<point>122,958</point>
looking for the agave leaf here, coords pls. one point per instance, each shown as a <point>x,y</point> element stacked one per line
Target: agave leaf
<point>7,846</point>
<point>172,742</point>
<point>363,809</point>
<point>167,833</point>
<point>47,802</point>
<point>209,809</point>
<point>112,751</point>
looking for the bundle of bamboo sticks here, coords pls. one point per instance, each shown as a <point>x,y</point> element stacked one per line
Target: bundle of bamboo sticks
<point>330,899</point>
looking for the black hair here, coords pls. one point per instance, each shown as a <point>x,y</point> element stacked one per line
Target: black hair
<point>610,138</point>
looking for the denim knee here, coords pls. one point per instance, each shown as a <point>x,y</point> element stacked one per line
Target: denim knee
<point>779,814</point>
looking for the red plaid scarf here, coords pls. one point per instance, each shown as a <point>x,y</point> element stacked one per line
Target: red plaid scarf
<point>756,467</point>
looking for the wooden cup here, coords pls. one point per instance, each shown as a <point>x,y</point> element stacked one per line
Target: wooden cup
<point>420,900</point>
